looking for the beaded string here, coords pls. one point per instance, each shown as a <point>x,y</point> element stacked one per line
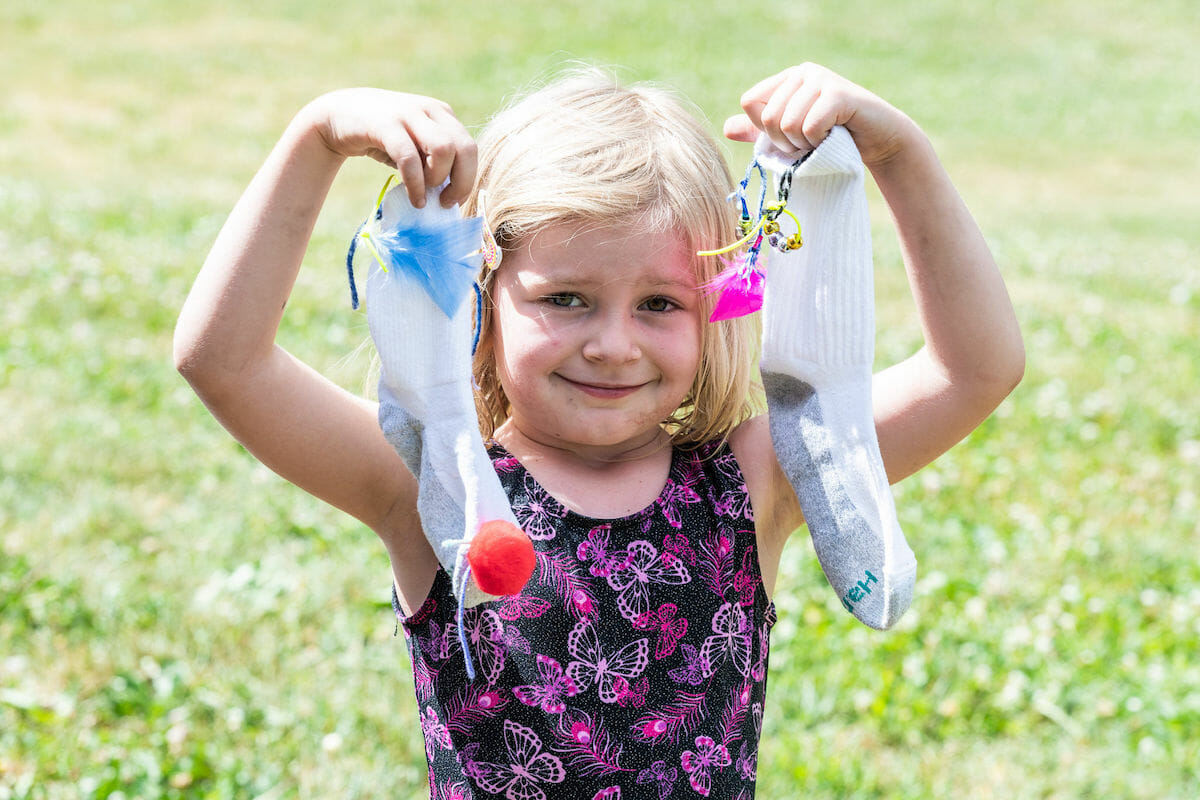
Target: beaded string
<point>741,283</point>
<point>765,223</point>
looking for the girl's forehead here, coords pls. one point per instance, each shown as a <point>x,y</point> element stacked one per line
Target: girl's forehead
<point>600,253</point>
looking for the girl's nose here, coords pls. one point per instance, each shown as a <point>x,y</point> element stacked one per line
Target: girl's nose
<point>612,339</point>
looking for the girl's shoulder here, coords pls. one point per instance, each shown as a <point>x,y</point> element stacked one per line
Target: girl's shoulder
<point>776,509</point>
<point>750,443</point>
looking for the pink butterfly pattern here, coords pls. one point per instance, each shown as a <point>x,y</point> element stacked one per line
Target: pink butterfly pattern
<point>592,664</point>
<point>747,763</point>
<point>632,696</point>
<point>596,550</point>
<point>695,667</point>
<point>679,546</point>
<point>658,773</point>
<point>674,496</point>
<point>554,688</point>
<point>644,568</point>
<point>699,764</point>
<point>734,501</point>
<point>485,632</point>
<point>633,663</point>
<point>517,606</point>
<point>435,732</point>
<point>528,767</point>
<point>538,514</point>
<point>730,640</point>
<point>669,626</point>
<point>746,580</point>
<point>440,642</point>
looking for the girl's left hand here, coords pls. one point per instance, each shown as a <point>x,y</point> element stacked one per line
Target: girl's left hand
<point>798,107</point>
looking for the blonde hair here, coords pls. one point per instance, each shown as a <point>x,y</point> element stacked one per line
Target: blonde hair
<point>586,150</point>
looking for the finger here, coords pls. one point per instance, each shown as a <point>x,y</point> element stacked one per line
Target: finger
<point>462,174</point>
<point>462,167</point>
<point>827,110</point>
<point>794,119</point>
<point>406,159</point>
<point>739,128</point>
<point>778,116</point>
<point>435,147</point>
<point>754,98</point>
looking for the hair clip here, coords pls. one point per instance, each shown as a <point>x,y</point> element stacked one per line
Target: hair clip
<point>491,252</point>
<point>742,282</point>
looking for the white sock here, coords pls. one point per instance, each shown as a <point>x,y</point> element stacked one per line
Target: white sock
<point>818,349</point>
<point>426,406</point>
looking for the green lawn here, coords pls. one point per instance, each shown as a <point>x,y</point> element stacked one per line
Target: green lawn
<point>175,621</point>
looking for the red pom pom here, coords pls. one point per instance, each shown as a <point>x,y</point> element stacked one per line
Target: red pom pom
<point>501,558</point>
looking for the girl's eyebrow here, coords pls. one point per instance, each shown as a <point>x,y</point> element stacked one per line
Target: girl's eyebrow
<point>569,277</point>
<point>542,284</point>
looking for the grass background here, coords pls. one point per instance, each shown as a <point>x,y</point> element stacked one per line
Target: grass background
<point>177,622</point>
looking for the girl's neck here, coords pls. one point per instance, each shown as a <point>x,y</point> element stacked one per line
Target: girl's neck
<point>604,483</point>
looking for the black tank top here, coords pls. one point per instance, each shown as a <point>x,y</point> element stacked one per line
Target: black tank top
<point>633,665</point>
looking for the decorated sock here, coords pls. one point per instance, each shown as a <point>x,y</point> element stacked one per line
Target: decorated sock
<point>420,308</point>
<point>818,349</point>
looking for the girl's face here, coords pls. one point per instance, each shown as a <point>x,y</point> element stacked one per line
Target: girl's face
<point>597,335</point>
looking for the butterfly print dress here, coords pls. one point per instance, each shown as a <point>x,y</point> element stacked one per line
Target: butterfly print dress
<point>633,665</point>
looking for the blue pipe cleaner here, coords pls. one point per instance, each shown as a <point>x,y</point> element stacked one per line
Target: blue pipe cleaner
<point>350,265</point>
<point>478,316</point>
<point>462,628</point>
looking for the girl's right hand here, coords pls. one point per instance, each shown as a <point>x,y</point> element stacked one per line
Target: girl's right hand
<point>417,136</point>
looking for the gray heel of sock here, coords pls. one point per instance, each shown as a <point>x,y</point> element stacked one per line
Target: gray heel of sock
<point>441,517</point>
<point>851,554</point>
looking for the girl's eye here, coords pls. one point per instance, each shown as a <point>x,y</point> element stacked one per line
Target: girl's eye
<point>659,304</point>
<point>563,300</point>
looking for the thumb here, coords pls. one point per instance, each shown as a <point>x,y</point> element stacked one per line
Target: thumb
<point>739,128</point>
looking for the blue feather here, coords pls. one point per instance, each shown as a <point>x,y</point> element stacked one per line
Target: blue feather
<point>438,251</point>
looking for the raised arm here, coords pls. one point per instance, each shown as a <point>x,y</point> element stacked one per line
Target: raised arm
<point>973,354</point>
<point>299,424</point>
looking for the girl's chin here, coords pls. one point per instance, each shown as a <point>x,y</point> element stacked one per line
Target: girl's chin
<point>592,436</point>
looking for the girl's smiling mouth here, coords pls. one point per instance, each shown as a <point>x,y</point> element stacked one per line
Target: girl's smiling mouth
<point>608,391</point>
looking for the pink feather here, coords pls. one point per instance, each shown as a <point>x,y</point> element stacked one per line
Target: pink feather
<point>741,288</point>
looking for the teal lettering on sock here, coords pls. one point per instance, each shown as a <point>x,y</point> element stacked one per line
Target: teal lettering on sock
<point>859,590</point>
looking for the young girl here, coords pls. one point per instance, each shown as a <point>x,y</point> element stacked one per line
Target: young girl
<point>618,418</point>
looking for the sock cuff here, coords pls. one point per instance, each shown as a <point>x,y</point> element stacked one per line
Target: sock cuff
<point>421,350</point>
<point>837,155</point>
<point>418,306</point>
<point>819,303</point>
<point>810,317</point>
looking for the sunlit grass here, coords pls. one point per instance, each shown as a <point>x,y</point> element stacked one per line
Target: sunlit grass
<point>177,622</point>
